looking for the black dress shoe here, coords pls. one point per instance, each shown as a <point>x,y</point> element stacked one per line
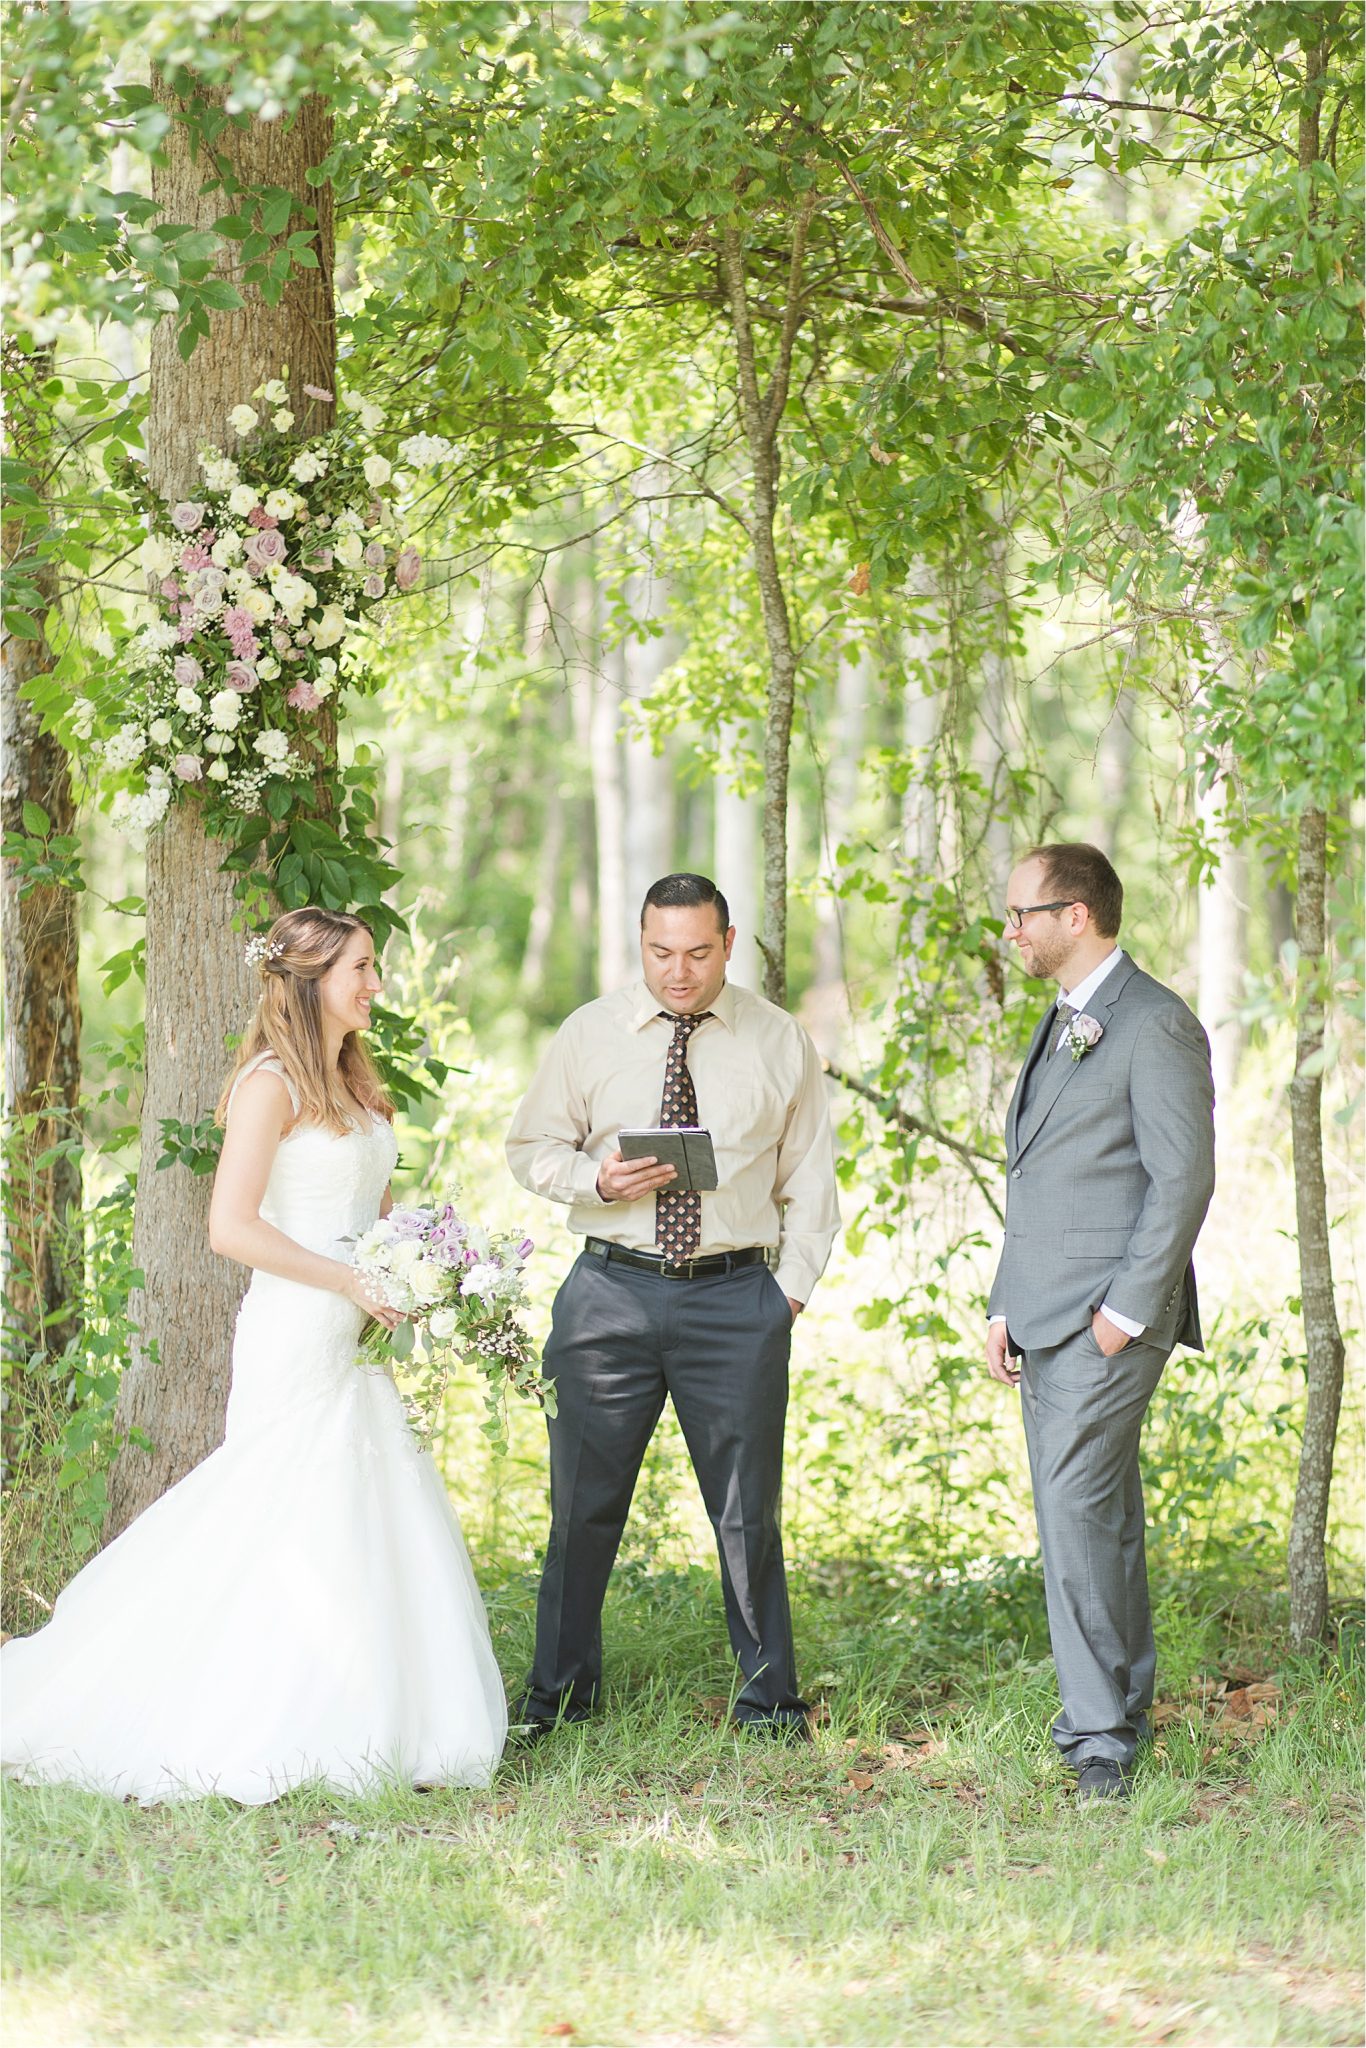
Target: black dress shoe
<point>1098,1778</point>
<point>775,1729</point>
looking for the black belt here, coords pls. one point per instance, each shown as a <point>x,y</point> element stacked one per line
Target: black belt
<point>667,1269</point>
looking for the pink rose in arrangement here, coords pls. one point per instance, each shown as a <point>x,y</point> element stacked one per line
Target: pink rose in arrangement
<point>188,767</point>
<point>195,556</point>
<point>373,586</point>
<point>280,640</point>
<point>170,589</point>
<point>186,671</point>
<point>241,676</point>
<point>213,581</point>
<point>187,518</point>
<point>407,568</point>
<point>374,555</point>
<point>261,519</point>
<point>266,548</point>
<point>316,391</point>
<point>304,697</point>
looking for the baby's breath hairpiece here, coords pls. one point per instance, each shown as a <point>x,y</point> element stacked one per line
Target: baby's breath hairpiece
<point>259,951</point>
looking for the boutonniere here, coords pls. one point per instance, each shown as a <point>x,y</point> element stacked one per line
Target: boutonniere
<point>1082,1033</point>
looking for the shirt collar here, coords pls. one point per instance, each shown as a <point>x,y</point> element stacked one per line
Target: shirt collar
<point>644,1006</point>
<point>1080,996</point>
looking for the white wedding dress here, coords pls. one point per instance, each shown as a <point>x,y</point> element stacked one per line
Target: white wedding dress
<point>300,1609</point>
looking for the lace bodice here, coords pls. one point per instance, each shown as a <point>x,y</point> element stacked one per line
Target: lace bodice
<point>324,1189</point>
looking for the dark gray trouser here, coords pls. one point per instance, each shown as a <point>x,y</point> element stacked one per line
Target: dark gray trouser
<point>1083,1414</point>
<point>621,1341</point>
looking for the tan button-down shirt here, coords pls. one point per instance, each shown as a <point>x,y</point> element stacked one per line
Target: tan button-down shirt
<point>760,1092</point>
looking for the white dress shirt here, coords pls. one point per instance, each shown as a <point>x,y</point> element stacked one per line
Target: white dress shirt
<point>1077,999</point>
<point>760,1092</point>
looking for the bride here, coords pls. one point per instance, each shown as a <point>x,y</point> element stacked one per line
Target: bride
<point>300,1609</point>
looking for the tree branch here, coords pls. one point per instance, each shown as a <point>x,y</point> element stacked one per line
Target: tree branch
<point>916,1127</point>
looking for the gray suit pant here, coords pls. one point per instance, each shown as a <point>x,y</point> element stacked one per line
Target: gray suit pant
<point>1083,1414</point>
<point>622,1341</point>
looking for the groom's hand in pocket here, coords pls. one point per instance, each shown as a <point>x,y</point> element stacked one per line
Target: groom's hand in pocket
<point>630,1180</point>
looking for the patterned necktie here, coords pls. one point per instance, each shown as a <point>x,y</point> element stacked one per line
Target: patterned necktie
<point>678,1214</point>
<point>1066,1012</point>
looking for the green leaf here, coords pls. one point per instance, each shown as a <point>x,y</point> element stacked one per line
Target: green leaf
<point>36,820</point>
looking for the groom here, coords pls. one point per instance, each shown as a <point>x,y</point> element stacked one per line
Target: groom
<point>1110,1155</point>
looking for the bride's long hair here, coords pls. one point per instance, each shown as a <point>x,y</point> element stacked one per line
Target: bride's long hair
<point>296,953</point>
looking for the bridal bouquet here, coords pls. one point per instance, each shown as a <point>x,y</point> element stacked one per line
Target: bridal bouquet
<point>461,1286</point>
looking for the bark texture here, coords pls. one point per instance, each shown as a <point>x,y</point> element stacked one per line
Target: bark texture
<point>198,988</point>
<point>39,937</point>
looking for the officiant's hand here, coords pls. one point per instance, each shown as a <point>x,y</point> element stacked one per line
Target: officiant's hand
<point>630,1180</point>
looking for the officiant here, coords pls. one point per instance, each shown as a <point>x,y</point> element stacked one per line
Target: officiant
<point>677,1294</point>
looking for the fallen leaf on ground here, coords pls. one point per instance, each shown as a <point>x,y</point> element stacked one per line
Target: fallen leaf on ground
<point>860,1780</point>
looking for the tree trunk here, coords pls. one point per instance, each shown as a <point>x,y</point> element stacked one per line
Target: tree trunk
<point>545,903</point>
<point>42,1079</point>
<point>1306,1556</point>
<point>1306,1559</point>
<point>615,952</point>
<point>761,417</point>
<point>825,1009</point>
<point>1221,939</point>
<point>737,830</point>
<point>198,987</point>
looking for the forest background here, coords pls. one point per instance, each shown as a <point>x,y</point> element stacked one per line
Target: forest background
<point>853,443</point>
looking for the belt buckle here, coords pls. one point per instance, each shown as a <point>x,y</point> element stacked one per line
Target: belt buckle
<point>677,1269</point>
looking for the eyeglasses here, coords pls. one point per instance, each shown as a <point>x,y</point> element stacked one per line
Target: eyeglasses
<point>1015,918</point>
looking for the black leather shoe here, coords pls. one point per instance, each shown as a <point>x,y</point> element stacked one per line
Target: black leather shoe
<point>1098,1778</point>
<point>775,1730</point>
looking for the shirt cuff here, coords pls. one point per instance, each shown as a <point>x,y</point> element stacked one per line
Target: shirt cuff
<point>1125,1323</point>
<point>994,1319</point>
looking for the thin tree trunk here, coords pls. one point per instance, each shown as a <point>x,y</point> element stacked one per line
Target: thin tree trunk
<point>545,903</point>
<point>42,1080</point>
<point>609,805</point>
<point>198,987</point>
<point>1221,939</point>
<point>1307,1562</point>
<point>826,1006</point>
<point>761,415</point>
<point>1306,1556</point>
<point>737,828</point>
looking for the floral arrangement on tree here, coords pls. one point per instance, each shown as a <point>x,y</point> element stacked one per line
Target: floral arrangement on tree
<point>461,1286</point>
<point>261,586</point>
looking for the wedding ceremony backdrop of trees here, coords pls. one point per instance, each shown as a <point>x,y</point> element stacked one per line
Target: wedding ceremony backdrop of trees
<point>829,446</point>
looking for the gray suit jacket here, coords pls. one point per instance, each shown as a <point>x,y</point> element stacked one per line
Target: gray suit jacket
<point>1110,1172</point>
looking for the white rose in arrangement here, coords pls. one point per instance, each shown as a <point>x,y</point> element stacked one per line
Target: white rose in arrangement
<point>441,1324</point>
<point>268,668</point>
<point>225,711</point>
<point>227,549</point>
<point>327,669</point>
<point>157,555</point>
<point>376,470</point>
<point>329,626</point>
<point>350,551</point>
<point>189,701</point>
<point>243,498</point>
<point>219,743</point>
<point>274,393</point>
<point>306,467</point>
<point>273,747</point>
<point>82,718</point>
<point>122,748</point>
<point>371,417</point>
<point>242,419</point>
<point>217,771</point>
<point>424,451</point>
<point>159,732</point>
<point>323,686</point>
<point>258,603</point>
<point>428,1282</point>
<point>283,420</point>
<point>292,594</point>
<point>220,472</point>
<point>240,582</point>
<point>282,504</point>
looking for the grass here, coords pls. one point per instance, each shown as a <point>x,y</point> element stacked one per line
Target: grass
<point>918,1874</point>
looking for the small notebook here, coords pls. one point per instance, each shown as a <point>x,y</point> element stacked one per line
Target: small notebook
<point>684,1147</point>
